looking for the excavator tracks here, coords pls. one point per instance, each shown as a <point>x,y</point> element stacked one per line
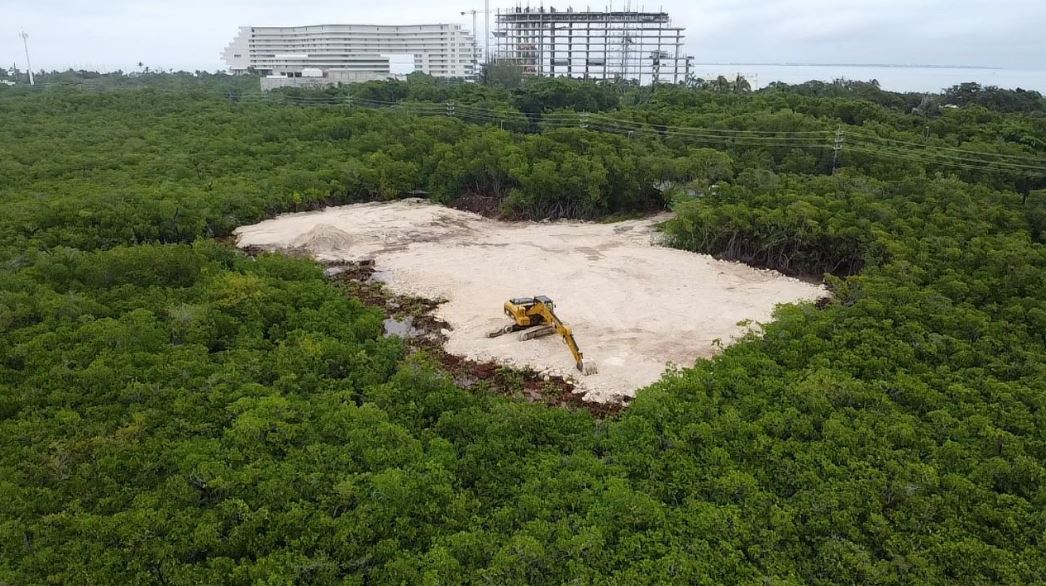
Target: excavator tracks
<point>536,332</point>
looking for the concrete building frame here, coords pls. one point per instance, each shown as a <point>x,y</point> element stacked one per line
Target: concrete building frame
<point>608,45</point>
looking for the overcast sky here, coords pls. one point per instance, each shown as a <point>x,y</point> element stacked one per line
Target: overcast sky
<point>190,34</point>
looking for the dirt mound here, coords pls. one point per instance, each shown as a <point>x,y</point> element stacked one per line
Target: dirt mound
<point>324,240</point>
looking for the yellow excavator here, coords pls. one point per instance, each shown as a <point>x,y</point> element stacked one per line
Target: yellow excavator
<point>535,317</point>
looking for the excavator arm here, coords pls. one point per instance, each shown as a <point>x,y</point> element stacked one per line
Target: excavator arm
<point>564,331</point>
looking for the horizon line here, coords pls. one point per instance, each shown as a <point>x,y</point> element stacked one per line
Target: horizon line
<point>897,65</point>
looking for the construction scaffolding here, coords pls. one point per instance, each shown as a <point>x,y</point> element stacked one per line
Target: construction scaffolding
<point>640,46</point>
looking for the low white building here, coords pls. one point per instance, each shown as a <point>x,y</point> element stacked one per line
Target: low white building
<point>353,52</point>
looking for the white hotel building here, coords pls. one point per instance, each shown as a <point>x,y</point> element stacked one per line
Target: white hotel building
<point>352,52</point>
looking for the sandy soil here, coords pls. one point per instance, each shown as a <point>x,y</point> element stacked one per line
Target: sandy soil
<point>635,307</point>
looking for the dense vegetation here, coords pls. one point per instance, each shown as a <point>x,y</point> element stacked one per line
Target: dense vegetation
<point>174,412</point>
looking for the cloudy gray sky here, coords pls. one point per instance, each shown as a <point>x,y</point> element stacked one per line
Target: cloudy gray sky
<point>189,34</point>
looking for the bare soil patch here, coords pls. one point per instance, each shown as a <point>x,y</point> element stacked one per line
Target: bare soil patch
<point>413,319</point>
<point>636,307</point>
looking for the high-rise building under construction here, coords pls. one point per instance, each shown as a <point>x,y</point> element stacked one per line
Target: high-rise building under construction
<point>609,45</point>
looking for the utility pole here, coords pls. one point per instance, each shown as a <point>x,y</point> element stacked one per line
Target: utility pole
<point>837,146</point>
<point>28,65</point>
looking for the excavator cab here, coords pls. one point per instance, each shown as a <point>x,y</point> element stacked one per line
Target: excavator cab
<point>535,317</point>
<point>529,302</point>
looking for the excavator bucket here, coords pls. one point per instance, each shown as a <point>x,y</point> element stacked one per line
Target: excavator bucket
<point>588,368</point>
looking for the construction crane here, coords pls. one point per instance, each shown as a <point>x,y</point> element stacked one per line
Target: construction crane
<point>486,28</point>
<point>535,317</point>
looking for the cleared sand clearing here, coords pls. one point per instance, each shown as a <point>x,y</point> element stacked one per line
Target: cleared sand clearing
<point>634,306</point>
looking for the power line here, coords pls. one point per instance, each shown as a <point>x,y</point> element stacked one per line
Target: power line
<point>949,156</point>
<point>927,154</point>
<point>871,137</point>
<point>560,116</point>
<point>717,138</point>
<point>924,160</point>
<point>724,130</point>
<point>859,140</point>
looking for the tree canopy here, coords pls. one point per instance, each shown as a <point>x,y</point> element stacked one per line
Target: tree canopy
<point>174,411</point>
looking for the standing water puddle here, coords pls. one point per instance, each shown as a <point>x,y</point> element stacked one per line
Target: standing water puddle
<point>334,271</point>
<point>381,276</point>
<point>402,328</point>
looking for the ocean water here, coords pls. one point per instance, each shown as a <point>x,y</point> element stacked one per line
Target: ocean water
<point>897,79</point>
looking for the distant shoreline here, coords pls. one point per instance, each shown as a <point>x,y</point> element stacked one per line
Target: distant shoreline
<point>868,65</point>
